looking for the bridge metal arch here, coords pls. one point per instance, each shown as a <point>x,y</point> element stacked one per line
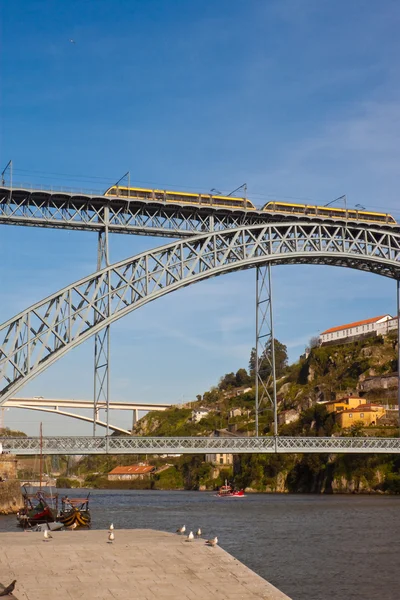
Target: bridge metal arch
<point>35,338</point>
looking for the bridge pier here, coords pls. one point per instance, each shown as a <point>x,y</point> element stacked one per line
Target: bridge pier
<point>102,339</point>
<point>135,417</point>
<point>265,374</point>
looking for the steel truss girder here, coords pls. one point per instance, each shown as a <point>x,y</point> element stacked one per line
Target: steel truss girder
<point>201,445</point>
<point>64,210</point>
<point>38,336</point>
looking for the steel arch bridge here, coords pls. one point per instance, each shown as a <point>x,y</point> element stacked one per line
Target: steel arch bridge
<point>34,339</point>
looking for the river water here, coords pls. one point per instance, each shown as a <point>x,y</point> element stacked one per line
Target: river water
<point>310,547</point>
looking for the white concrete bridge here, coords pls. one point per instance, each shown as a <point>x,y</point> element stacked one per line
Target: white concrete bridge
<point>58,406</point>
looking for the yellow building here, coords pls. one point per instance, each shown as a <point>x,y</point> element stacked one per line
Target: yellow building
<point>368,414</point>
<point>343,404</point>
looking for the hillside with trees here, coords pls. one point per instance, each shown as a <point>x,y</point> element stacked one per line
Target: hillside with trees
<point>362,368</point>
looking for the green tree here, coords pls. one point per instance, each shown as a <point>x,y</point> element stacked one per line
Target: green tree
<point>265,368</point>
<point>242,377</point>
<point>227,381</point>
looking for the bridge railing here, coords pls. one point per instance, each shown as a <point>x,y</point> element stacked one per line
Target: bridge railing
<point>197,445</point>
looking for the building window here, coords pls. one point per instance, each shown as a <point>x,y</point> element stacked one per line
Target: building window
<point>221,460</point>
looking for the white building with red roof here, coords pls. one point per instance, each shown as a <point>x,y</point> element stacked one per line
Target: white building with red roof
<point>374,326</point>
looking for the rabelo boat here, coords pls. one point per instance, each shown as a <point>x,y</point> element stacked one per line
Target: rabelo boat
<point>75,510</point>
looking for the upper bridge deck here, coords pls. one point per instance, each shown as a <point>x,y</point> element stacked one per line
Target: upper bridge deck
<point>74,209</point>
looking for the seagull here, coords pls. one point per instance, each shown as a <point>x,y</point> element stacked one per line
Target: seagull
<point>181,529</point>
<point>9,589</point>
<point>73,526</point>
<point>190,537</point>
<point>212,542</point>
<point>46,535</point>
<point>111,527</point>
<point>111,537</point>
<point>72,41</point>
<point>198,532</point>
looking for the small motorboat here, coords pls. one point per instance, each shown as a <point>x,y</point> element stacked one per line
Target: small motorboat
<point>55,526</point>
<point>227,491</point>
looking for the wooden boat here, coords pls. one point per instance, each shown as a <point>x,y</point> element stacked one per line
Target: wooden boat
<point>227,491</point>
<point>37,509</point>
<point>75,511</point>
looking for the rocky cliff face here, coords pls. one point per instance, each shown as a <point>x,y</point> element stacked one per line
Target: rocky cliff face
<point>365,367</point>
<point>10,497</point>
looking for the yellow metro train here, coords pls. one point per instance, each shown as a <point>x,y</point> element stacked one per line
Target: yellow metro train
<point>285,208</point>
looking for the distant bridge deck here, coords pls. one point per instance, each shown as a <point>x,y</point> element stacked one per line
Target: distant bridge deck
<point>200,445</point>
<point>41,402</point>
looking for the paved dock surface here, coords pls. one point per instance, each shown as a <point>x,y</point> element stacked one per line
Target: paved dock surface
<point>140,564</point>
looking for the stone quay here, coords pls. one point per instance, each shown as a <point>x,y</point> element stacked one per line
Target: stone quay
<point>141,563</point>
<point>10,488</point>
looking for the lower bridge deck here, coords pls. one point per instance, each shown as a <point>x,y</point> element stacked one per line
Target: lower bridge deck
<point>198,445</point>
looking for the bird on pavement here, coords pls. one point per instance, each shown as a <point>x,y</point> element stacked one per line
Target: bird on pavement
<point>190,537</point>
<point>181,529</point>
<point>212,542</point>
<point>111,537</point>
<point>198,532</point>
<point>47,536</point>
<point>9,589</point>
<point>73,526</point>
<point>111,528</point>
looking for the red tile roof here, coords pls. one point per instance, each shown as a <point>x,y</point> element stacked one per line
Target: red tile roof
<point>342,399</point>
<point>131,470</point>
<point>355,324</point>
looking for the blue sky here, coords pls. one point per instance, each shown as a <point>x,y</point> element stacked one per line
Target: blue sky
<point>299,99</point>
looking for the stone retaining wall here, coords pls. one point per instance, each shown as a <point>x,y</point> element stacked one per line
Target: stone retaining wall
<point>10,497</point>
<point>8,466</point>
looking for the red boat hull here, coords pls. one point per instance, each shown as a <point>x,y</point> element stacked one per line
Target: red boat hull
<point>227,493</point>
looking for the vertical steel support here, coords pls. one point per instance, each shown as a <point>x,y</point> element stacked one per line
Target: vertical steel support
<point>398,348</point>
<point>102,339</point>
<point>265,377</point>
